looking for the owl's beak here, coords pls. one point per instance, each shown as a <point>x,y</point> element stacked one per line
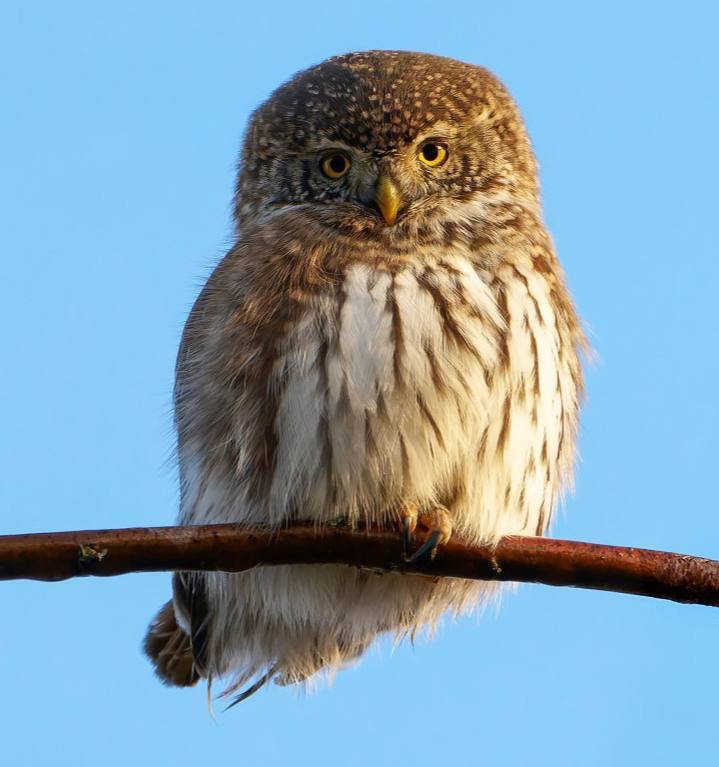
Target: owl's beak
<point>388,199</point>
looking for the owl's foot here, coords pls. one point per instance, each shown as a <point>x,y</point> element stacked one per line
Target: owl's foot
<point>438,522</point>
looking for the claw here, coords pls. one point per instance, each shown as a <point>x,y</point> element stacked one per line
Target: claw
<point>409,515</point>
<point>438,522</point>
<point>407,530</point>
<point>429,546</point>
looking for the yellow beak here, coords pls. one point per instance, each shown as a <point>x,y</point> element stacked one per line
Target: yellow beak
<point>388,199</point>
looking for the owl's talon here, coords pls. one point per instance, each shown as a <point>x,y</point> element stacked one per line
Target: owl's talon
<point>407,530</point>
<point>429,546</point>
<point>438,522</point>
<point>409,514</point>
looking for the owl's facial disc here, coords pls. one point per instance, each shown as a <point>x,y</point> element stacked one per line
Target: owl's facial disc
<point>388,185</point>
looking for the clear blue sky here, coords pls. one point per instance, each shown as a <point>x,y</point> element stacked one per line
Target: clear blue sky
<point>119,130</point>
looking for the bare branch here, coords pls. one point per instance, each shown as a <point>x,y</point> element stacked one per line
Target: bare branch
<point>57,556</point>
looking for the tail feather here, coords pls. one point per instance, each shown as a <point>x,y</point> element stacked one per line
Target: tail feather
<point>251,690</point>
<point>170,650</point>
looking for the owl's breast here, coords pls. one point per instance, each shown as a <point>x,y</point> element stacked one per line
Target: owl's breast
<point>384,388</point>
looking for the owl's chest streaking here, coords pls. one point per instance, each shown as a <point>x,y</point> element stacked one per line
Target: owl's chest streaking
<point>433,384</point>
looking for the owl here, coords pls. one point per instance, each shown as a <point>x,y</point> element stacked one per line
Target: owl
<point>389,342</point>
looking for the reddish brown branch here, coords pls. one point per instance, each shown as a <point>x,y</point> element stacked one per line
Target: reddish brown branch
<point>57,556</point>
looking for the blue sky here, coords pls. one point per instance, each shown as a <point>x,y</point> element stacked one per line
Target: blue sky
<point>119,130</point>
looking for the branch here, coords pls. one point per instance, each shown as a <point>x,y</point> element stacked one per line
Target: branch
<point>57,556</point>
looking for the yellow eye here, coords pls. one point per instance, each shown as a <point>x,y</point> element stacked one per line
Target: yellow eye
<point>433,154</point>
<point>335,165</point>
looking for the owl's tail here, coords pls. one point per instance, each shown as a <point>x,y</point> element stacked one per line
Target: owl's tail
<point>170,650</point>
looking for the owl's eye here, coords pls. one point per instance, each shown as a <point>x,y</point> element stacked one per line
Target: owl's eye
<point>433,154</point>
<point>335,165</point>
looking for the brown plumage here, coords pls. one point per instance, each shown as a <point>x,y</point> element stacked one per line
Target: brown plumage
<point>171,649</point>
<point>390,339</point>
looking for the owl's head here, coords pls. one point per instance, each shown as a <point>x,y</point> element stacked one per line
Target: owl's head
<point>385,143</point>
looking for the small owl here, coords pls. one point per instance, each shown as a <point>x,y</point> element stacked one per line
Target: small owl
<point>389,342</point>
